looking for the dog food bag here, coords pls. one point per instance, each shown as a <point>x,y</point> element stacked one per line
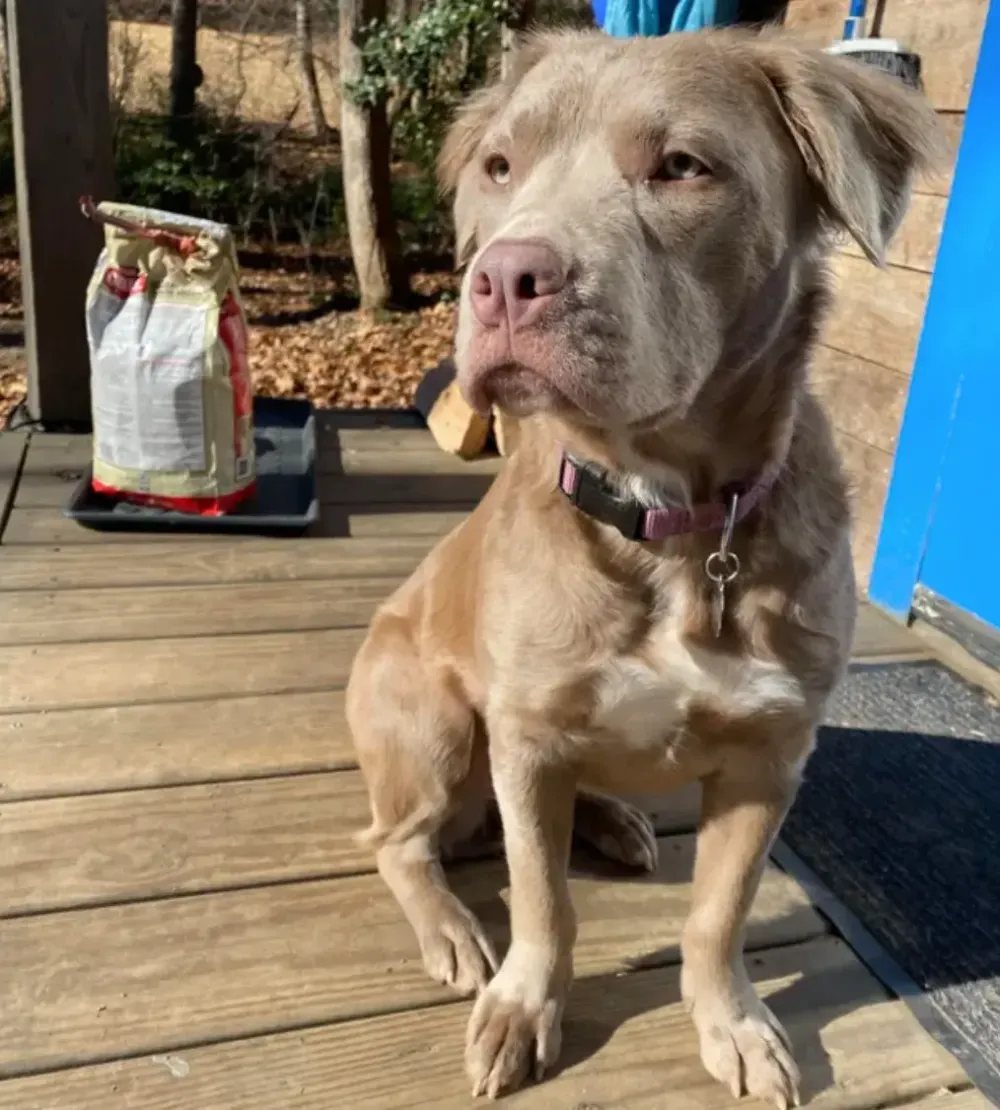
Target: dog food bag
<point>171,395</point>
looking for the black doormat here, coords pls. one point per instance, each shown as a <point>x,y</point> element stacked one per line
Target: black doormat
<point>899,819</point>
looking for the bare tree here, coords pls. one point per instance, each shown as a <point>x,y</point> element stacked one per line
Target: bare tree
<point>365,141</point>
<point>126,55</point>
<point>185,74</point>
<point>5,55</point>
<point>307,67</point>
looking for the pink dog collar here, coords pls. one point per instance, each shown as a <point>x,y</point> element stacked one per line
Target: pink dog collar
<point>590,493</point>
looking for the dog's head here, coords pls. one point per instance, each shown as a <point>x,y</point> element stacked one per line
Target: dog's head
<point>635,214</point>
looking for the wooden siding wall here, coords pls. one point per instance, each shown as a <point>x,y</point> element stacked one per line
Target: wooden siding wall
<point>862,370</point>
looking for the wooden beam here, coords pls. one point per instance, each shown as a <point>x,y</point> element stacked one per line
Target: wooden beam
<point>62,145</point>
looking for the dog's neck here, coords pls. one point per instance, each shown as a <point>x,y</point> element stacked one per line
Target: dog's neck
<point>739,426</point>
<point>721,442</point>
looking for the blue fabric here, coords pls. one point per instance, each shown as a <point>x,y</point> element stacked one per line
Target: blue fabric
<point>626,18</point>
<point>693,15</point>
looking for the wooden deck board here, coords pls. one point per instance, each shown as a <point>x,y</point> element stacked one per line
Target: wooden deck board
<point>180,840</point>
<point>114,748</point>
<point>81,616</point>
<point>177,875</point>
<point>57,616</point>
<point>879,639</point>
<point>166,563</point>
<point>629,1046</point>
<point>68,676</point>
<point>186,839</point>
<point>98,983</point>
<point>46,669</point>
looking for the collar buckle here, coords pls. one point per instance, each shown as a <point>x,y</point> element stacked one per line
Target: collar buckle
<point>592,496</point>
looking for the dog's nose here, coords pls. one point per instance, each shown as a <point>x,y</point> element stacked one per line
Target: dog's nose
<point>514,281</point>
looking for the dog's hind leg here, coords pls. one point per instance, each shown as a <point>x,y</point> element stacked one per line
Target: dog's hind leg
<point>615,829</point>
<point>415,736</point>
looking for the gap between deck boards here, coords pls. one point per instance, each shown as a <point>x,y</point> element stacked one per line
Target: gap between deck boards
<point>13,452</point>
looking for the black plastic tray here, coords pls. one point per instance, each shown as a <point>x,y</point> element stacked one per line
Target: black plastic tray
<point>285,501</point>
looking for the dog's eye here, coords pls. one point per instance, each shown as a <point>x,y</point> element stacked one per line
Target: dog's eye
<point>679,166</point>
<point>498,169</point>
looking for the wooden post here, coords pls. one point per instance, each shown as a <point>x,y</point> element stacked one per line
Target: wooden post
<point>62,149</point>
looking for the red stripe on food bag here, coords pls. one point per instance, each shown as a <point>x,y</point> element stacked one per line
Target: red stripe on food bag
<point>233,333</point>
<point>198,506</point>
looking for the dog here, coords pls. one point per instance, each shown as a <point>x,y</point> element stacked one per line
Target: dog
<point>658,587</point>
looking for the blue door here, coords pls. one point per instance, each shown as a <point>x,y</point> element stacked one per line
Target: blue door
<point>941,527</point>
<point>962,560</point>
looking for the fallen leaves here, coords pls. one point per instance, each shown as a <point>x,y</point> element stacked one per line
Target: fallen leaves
<point>12,367</point>
<point>12,382</point>
<point>352,359</point>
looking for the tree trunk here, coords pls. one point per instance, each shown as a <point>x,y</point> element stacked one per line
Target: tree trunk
<point>185,75</point>
<point>524,13</point>
<point>365,142</point>
<point>307,67</point>
<point>4,56</point>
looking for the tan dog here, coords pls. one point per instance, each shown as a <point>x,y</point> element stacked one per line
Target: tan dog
<point>646,222</point>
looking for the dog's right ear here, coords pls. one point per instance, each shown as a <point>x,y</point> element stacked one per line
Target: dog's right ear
<point>466,134</point>
<point>473,117</point>
<point>457,154</point>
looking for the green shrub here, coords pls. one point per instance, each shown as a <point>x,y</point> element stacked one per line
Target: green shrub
<point>424,217</point>
<point>229,171</point>
<point>423,67</point>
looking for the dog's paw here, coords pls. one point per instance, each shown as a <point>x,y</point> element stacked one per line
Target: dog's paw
<point>455,949</point>
<point>617,830</point>
<point>746,1049</point>
<point>515,1031</point>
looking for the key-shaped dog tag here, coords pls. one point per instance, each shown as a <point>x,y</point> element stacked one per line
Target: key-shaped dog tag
<point>721,567</point>
<point>718,607</point>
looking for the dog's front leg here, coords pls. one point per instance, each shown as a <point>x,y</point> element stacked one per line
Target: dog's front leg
<point>742,1043</point>
<point>516,1024</point>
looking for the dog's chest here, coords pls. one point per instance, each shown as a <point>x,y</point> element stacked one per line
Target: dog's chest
<point>646,699</point>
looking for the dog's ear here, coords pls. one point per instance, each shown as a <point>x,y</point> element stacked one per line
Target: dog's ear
<point>467,131</point>
<point>457,153</point>
<point>862,134</point>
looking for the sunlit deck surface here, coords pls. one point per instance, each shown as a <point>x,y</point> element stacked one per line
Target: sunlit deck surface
<point>186,920</point>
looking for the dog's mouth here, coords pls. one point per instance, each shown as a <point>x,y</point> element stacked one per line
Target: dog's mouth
<point>555,366</point>
<point>513,387</point>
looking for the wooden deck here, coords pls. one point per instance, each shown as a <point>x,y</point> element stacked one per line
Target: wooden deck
<point>185,922</point>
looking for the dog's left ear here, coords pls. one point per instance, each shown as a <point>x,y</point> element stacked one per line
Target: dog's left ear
<point>863,135</point>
